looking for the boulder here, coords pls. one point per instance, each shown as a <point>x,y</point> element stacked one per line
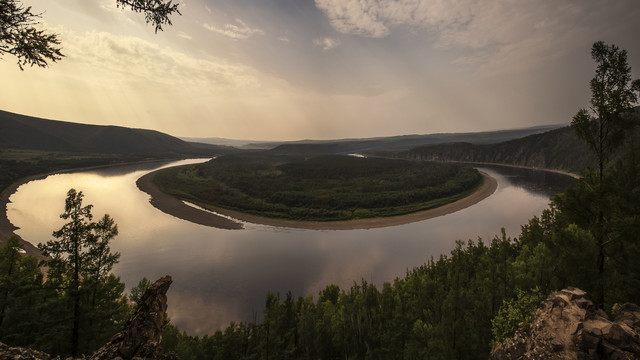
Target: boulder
<point>568,326</point>
<point>141,336</point>
<point>18,353</point>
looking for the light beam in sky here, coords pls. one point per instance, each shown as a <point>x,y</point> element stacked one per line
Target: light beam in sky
<point>293,69</point>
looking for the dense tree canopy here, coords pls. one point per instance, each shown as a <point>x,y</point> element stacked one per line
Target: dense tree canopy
<point>320,188</point>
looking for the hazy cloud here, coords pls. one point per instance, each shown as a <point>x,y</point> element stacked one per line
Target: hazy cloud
<point>184,35</point>
<point>130,59</point>
<point>499,32</point>
<point>326,43</point>
<point>470,23</point>
<point>240,32</point>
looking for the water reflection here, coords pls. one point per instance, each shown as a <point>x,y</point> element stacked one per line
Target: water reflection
<point>224,275</point>
<point>539,182</point>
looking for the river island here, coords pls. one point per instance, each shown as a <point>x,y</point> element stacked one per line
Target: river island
<point>416,191</point>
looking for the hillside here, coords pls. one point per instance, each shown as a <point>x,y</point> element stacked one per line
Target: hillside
<point>396,143</point>
<point>558,149</point>
<point>26,132</point>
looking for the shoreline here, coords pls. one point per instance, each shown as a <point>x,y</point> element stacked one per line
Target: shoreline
<point>175,207</point>
<point>7,229</point>
<point>561,172</point>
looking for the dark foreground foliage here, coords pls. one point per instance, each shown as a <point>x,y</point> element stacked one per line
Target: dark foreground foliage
<point>70,303</point>
<point>321,188</point>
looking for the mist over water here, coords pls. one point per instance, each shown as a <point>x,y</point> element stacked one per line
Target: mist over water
<point>223,275</point>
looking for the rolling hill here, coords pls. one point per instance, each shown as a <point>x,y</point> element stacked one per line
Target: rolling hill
<point>396,143</point>
<point>26,132</point>
<point>558,149</point>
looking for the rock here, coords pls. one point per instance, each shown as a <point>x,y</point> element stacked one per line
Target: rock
<point>567,326</point>
<point>140,338</point>
<point>142,334</point>
<point>17,353</point>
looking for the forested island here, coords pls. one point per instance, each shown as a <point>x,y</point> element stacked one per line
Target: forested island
<point>321,188</point>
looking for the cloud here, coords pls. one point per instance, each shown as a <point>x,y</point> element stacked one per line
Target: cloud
<point>355,17</point>
<point>134,61</point>
<point>184,35</point>
<point>239,32</point>
<point>453,21</point>
<point>469,23</point>
<point>500,34</point>
<point>326,43</point>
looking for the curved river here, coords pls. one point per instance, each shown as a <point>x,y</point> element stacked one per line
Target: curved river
<point>223,275</point>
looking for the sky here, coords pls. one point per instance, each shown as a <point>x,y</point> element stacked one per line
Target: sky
<point>321,69</point>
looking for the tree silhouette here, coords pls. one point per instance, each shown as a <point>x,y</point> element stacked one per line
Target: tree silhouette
<point>604,126</point>
<point>80,256</point>
<point>21,37</point>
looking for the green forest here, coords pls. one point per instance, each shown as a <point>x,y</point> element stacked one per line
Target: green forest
<point>452,307</point>
<point>321,188</point>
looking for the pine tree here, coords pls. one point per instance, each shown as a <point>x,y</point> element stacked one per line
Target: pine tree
<point>78,267</point>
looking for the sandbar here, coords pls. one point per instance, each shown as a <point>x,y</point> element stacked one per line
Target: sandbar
<point>175,207</point>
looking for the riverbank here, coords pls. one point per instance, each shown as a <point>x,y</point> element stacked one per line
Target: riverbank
<point>172,206</point>
<point>7,229</point>
<point>175,207</point>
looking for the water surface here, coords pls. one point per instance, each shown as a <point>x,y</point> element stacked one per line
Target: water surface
<point>223,275</point>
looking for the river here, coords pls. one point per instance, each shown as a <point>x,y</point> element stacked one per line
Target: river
<point>223,275</point>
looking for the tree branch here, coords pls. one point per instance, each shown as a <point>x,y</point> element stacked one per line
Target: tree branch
<point>155,12</point>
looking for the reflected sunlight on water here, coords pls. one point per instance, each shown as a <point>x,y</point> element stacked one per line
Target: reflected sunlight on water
<point>224,275</point>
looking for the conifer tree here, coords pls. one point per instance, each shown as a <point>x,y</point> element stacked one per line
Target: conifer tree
<point>604,126</point>
<point>80,260</point>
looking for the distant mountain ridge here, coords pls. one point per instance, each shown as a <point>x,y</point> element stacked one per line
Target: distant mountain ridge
<point>396,143</point>
<point>558,149</point>
<point>374,143</point>
<point>27,132</point>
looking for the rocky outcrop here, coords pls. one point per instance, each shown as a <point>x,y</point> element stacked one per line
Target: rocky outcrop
<point>17,353</point>
<point>143,332</point>
<point>567,326</point>
<point>140,338</point>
